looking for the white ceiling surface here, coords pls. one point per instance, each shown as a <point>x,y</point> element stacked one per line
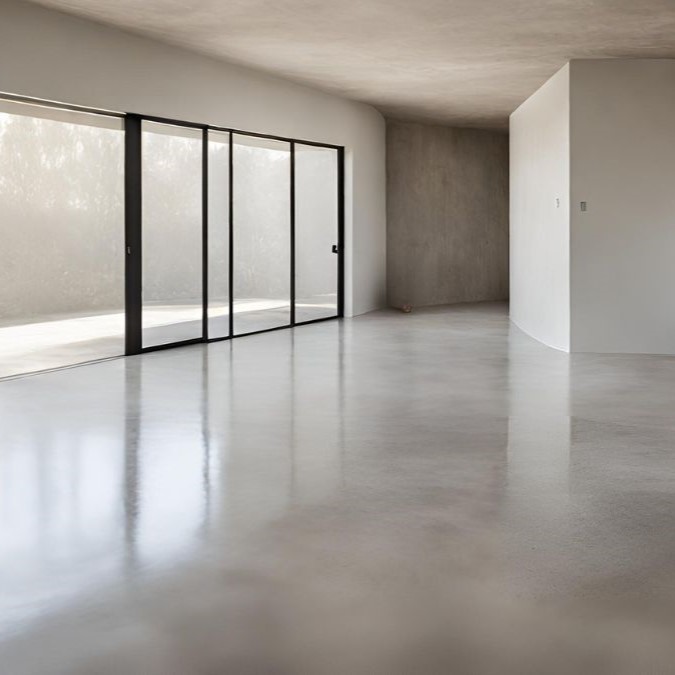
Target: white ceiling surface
<point>459,62</point>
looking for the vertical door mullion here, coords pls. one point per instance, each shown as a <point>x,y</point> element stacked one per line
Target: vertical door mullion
<point>341,232</point>
<point>292,233</point>
<point>230,262</point>
<point>133,216</point>
<point>205,234</point>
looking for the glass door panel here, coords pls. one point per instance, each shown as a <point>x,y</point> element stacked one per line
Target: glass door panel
<point>172,233</point>
<point>62,234</point>
<point>316,233</point>
<point>261,234</point>
<point>219,234</point>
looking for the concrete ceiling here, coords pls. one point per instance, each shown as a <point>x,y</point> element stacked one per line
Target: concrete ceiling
<point>459,62</point>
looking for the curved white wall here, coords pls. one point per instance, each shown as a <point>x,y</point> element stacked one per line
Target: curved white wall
<point>539,204</point>
<point>55,56</point>
<point>600,132</point>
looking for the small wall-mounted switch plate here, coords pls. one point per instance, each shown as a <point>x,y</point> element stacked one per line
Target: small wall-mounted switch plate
<point>584,206</point>
<point>557,202</point>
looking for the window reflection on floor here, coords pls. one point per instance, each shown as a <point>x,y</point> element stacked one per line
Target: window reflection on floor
<point>119,479</point>
<point>86,505</point>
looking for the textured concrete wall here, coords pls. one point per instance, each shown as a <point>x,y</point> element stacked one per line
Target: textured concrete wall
<point>447,215</point>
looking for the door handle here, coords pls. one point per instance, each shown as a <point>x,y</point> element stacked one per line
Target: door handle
<point>335,248</point>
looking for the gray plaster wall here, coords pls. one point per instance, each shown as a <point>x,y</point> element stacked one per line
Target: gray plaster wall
<point>622,164</point>
<point>447,214</point>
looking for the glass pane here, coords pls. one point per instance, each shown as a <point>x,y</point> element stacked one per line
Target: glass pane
<point>62,234</point>
<point>316,231</point>
<point>219,233</point>
<point>172,233</point>
<point>262,255</point>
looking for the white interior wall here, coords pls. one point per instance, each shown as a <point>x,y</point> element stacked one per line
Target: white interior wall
<point>55,56</point>
<point>623,166</point>
<point>539,206</point>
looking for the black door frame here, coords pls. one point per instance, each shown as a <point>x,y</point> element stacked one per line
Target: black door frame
<point>134,225</point>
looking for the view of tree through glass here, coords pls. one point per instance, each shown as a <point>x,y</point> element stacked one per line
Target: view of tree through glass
<point>62,218</point>
<point>219,234</point>
<point>172,233</point>
<point>262,234</point>
<point>62,222</point>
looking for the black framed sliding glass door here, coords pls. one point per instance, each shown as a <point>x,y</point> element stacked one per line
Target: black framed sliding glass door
<point>317,232</point>
<point>218,234</point>
<point>261,285</point>
<point>124,233</point>
<point>171,175</point>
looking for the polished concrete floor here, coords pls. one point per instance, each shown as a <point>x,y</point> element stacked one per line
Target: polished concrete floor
<point>394,494</point>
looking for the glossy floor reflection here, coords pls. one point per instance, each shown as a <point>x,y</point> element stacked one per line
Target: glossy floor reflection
<point>425,493</point>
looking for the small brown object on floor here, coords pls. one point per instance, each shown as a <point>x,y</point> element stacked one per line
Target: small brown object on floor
<point>406,308</point>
